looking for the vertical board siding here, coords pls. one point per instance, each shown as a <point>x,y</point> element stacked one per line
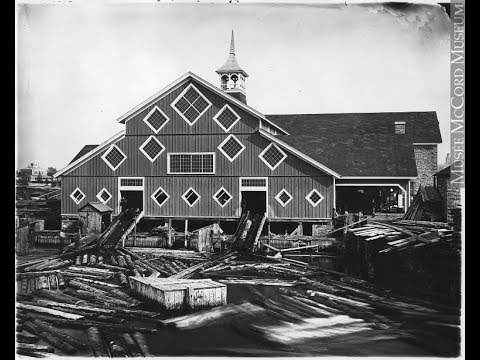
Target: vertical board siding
<point>204,125</point>
<point>293,174</point>
<point>90,186</point>
<point>206,187</point>
<point>246,164</point>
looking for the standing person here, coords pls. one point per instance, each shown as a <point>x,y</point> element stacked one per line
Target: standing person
<point>123,204</point>
<point>373,208</point>
<point>62,241</point>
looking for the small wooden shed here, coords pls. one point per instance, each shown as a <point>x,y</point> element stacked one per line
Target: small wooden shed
<point>94,217</point>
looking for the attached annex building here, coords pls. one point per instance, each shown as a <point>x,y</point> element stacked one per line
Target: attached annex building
<point>197,151</point>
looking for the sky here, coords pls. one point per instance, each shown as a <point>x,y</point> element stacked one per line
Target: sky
<point>81,67</point>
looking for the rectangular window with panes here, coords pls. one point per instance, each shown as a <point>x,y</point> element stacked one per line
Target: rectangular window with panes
<point>191,163</point>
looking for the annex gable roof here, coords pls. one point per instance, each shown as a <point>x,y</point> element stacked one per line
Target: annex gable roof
<point>83,151</point>
<point>361,144</point>
<point>77,161</point>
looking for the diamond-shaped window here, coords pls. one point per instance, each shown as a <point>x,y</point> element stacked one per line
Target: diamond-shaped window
<point>191,197</point>
<point>152,148</point>
<point>114,157</point>
<point>283,197</point>
<point>191,104</point>
<point>231,147</point>
<point>160,196</point>
<point>222,197</point>
<point>156,119</point>
<point>226,118</point>
<point>103,195</point>
<point>314,197</point>
<point>272,156</point>
<point>77,195</point>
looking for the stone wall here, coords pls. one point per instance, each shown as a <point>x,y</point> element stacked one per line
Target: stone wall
<point>450,194</point>
<point>426,160</point>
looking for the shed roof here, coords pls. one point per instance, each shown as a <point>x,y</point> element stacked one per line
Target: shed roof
<point>97,205</point>
<point>361,144</point>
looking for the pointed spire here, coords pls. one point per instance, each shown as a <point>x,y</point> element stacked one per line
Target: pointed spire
<point>232,45</point>
<point>231,65</point>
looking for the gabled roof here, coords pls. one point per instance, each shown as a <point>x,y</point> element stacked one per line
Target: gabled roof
<point>87,156</point>
<point>97,205</point>
<point>231,65</point>
<point>85,149</point>
<point>363,144</point>
<point>189,75</point>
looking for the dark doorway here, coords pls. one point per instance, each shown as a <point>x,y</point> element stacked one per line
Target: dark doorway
<point>133,199</point>
<point>106,219</point>
<point>255,201</point>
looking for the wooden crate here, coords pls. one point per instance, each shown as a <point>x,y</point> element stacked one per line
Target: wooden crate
<point>180,293</point>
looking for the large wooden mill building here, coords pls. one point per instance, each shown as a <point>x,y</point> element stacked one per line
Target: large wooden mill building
<point>198,151</point>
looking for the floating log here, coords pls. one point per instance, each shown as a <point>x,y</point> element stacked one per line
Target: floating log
<point>44,310</point>
<point>55,296</point>
<point>131,345</point>
<point>50,338</point>
<point>82,324</point>
<point>110,267</point>
<point>142,343</point>
<point>97,282</point>
<point>28,347</point>
<point>96,342</point>
<point>80,308</point>
<point>44,326</point>
<point>27,338</point>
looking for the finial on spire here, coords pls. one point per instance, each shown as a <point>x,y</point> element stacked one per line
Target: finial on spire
<point>232,45</point>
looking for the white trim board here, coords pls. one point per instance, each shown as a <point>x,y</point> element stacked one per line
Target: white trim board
<point>375,184</point>
<point>252,188</point>
<point>130,188</point>
<point>117,137</point>
<point>128,115</point>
